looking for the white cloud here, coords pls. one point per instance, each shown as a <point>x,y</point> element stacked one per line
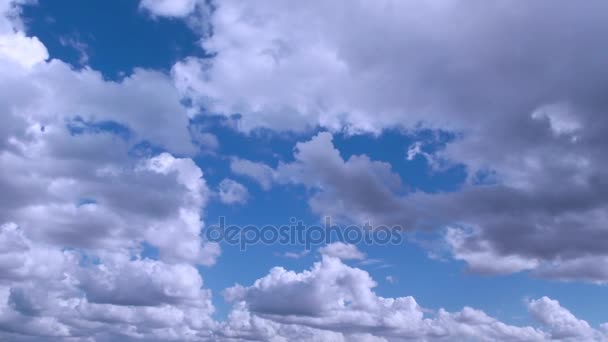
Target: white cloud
<point>343,251</point>
<point>27,51</point>
<point>296,255</point>
<point>261,173</point>
<point>169,8</point>
<point>53,93</point>
<point>49,292</point>
<point>232,192</point>
<point>289,67</point>
<point>141,283</point>
<point>520,122</point>
<point>333,301</point>
<point>87,206</point>
<point>562,323</point>
<point>206,141</point>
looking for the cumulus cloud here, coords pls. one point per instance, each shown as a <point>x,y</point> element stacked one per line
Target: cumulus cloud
<point>100,238</point>
<point>561,322</point>
<point>207,142</point>
<point>343,251</point>
<point>169,8</point>
<point>483,258</point>
<point>26,51</point>
<point>232,192</point>
<point>333,301</point>
<point>531,120</point>
<point>496,228</point>
<point>49,292</point>
<point>284,66</point>
<point>260,172</point>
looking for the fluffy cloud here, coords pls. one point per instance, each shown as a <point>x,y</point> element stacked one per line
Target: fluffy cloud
<point>231,192</point>
<point>51,92</point>
<point>46,292</point>
<point>523,122</point>
<point>288,67</point>
<point>169,8</point>
<point>27,51</point>
<point>483,258</point>
<point>104,201</point>
<point>260,172</point>
<point>563,324</point>
<point>75,269</point>
<point>343,251</point>
<point>335,302</point>
<point>100,237</point>
<point>501,227</point>
<point>139,102</point>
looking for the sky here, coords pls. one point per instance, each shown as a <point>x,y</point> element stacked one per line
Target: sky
<point>233,170</point>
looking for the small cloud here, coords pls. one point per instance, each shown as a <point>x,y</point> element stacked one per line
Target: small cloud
<point>78,45</point>
<point>207,142</point>
<point>260,172</point>
<point>342,251</point>
<point>232,192</point>
<point>377,263</point>
<point>169,8</point>
<point>295,255</point>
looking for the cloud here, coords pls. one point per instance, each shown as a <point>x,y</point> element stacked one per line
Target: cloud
<point>496,228</point>
<point>38,95</point>
<point>81,48</point>
<point>206,141</point>
<point>562,323</point>
<point>169,8</point>
<point>27,51</point>
<point>49,292</point>
<point>100,237</point>
<point>343,251</point>
<point>127,201</point>
<point>333,301</point>
<point>49,92</point>
<point>296,255</point>
<point>141,283</point>
<point>528,120</point>
<point>483,258</point>
<point>260,172</point>
<point>232,192</point>
<point>287,67</point>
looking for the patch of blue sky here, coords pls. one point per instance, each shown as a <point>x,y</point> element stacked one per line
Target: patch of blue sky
<point>115,35</point>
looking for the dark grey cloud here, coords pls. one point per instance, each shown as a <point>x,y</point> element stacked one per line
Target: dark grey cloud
<point>517,222</point>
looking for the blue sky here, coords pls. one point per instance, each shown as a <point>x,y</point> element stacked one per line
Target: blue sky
<point>133,116</point>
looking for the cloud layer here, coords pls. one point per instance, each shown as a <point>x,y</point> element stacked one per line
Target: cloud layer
<point>517,84</point>
<point>494,227</point>
<point>100,224</point>
<point>84,202</point>
<point>335,302</point>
